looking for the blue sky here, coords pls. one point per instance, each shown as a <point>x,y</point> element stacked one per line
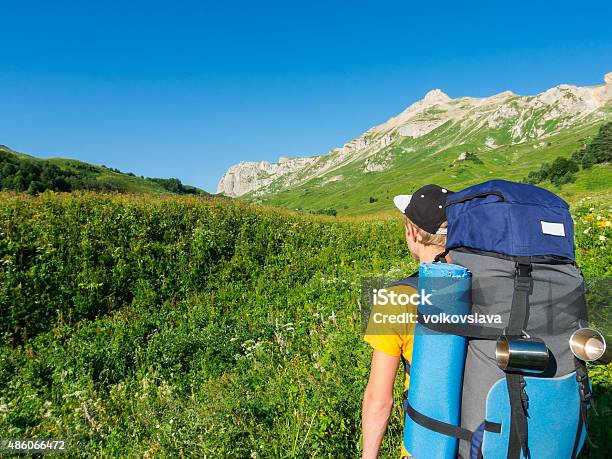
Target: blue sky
<point>186,89</point>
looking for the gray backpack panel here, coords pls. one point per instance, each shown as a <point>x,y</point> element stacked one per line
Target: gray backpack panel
<point>556,309</point>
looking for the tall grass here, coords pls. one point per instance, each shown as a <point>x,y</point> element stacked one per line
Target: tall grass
<point>190,327</point>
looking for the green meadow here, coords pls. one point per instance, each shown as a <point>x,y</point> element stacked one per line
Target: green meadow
<point>183,326</point>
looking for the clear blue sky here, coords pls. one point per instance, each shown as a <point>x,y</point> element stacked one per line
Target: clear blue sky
<point>185,89</point>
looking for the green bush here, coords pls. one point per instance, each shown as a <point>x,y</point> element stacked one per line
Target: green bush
<point>183,326</point>
<point>234,330</point>
<point>560,172</point>
<point>325,211</point>
<point>563,170</point>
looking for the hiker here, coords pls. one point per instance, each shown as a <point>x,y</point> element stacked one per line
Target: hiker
<point>521,389</point>
<point>425,231</point>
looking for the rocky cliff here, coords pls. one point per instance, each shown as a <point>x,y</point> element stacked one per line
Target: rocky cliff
<point>436,122</point>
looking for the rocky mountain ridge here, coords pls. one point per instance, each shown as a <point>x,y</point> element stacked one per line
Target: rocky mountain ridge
<point>438,122</point>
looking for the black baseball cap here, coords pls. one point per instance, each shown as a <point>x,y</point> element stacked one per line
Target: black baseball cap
<point>425,208</point>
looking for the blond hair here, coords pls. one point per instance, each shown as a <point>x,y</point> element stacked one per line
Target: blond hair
<point>428,238</point>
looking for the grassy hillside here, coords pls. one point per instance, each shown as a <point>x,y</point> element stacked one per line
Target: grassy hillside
<point>420,161</point>
<point>183,327</point>
<point>21,172</point>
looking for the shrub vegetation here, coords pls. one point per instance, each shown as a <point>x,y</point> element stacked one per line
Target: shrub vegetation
<point>197,327</point>
<point>563,170</point>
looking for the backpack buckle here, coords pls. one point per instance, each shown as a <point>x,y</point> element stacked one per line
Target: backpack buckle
<point>585,393</point>
<point>524,396</point>
<point>583,386</point>
<point>581,377</point>
<point>522,276</point>
<point>523,269</point>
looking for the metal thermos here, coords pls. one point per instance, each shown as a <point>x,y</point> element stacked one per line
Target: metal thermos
<point>524,354</point>
<point>590,345</point>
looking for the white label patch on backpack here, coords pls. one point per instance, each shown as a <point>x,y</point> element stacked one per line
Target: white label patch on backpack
<point>554,229</point>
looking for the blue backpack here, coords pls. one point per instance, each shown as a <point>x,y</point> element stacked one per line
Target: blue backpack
<point>517,241</point>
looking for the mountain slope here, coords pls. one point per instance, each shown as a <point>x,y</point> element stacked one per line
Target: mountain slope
<point>21,172</point>
<point>506,136</point>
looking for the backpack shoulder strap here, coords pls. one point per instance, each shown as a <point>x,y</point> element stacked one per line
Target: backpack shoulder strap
<point>410,281</point>
<point>519,316</point>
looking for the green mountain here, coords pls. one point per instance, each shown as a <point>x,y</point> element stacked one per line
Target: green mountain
<point>453,142</point>
<point>21,172</point>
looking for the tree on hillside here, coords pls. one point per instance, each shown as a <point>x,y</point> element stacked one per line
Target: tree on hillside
<point>35,176</point>
<point>598,151</point>
<point>563,170</point>
<point>174,185</point>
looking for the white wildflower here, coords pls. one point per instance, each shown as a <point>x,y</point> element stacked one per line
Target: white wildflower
<point>280,339</point>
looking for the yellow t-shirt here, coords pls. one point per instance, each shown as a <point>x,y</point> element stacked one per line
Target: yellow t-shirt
<point>393,337</point>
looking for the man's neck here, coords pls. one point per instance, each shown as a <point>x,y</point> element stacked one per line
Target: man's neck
<point>429,252</point>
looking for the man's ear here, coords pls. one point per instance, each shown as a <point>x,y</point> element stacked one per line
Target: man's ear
<point>411,232</point>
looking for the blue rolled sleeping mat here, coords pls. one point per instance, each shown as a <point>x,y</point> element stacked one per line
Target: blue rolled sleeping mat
<point>438,359</point>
